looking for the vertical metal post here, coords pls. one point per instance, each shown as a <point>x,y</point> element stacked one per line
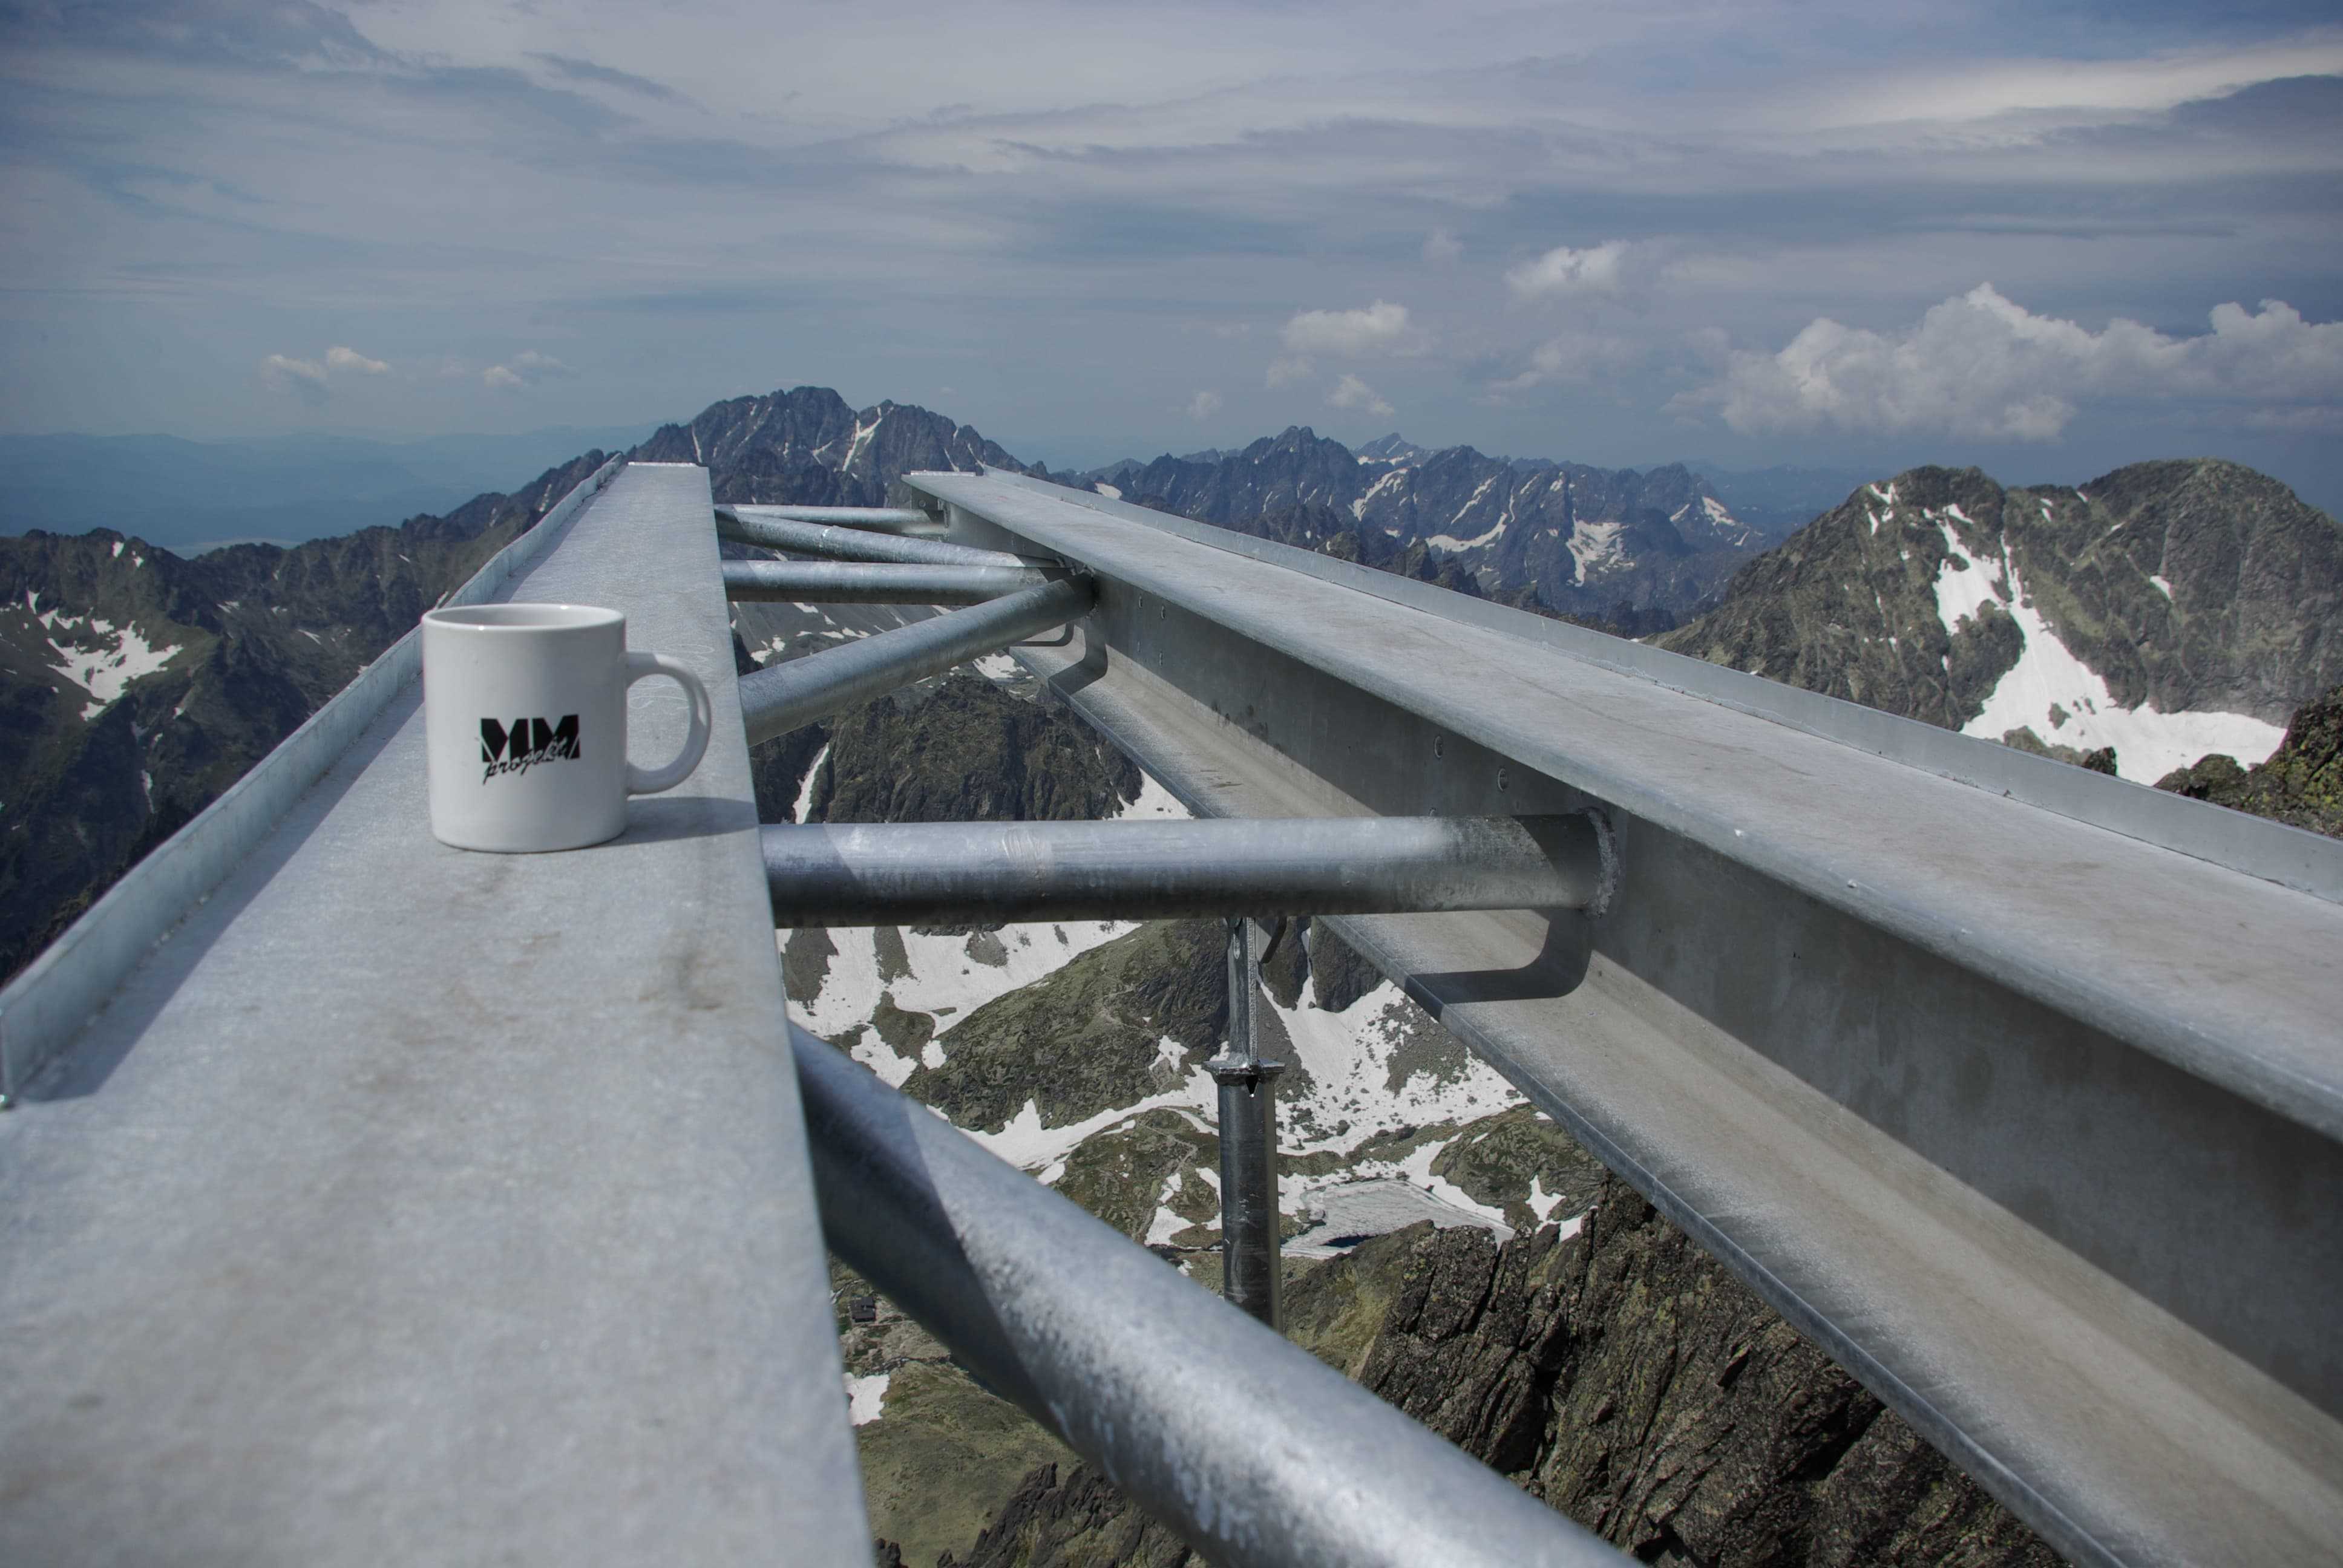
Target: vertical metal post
<point>1252,1254</point>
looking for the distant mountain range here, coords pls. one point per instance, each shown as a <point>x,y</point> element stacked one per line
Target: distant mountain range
<point>2167,610</point>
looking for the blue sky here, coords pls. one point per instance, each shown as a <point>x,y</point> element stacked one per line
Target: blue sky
<point>2045,238</point>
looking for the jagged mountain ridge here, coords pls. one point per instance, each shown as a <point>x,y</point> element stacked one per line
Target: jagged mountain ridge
<point>1636,549</point>
<point>2167,610</point>
<point>136,686</point>
<point>1567,537</point>
<point>806,446</point>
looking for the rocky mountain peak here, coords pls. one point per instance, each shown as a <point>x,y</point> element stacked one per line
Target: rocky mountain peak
<point>807,446</point>
<point>2168,610</point>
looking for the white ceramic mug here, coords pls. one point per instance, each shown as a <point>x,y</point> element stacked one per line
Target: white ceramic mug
<point>525,724</point>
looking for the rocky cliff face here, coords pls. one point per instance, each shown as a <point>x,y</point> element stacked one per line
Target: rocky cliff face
<point>806,448</point>
<point>1617,1372</point>
<point>136,686</point>
<point>2301,785</point>
<point>2167,610</point>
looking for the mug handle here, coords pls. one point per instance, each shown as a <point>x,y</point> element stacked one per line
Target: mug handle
<point>651,780</point>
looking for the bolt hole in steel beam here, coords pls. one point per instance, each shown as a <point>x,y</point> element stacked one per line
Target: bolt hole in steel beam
<point>780,698</point>
<point>1256,1452</point>
<point>892,873</point>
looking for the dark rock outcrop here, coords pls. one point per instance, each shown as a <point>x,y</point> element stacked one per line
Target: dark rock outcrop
<point>966,751</point>
<point>1623,1376</point>
<point>2301,785</point>
<point>1090,1039</point>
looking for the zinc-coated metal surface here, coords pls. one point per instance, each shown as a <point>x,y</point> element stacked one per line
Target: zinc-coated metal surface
<point>779,697</point>
<point>862,582</point>
<point>1253,1255</point>
<point>2290,857</point>
<point>1258,1453</point>
<point>2031,1124</point>
<point>848,544</point>
<point>408,1205</point>
<point>877,520</point>
<point>944,874</point>
<point>45,1004</point>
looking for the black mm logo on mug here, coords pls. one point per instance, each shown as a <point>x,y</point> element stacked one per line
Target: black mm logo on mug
<point>527,743</point>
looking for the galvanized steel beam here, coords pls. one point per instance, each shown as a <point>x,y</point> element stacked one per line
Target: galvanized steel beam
<point>782,697</point>
<point>1253,1450</point>
<point>847,543</point>
<point>857,582</point>
<point>408,1205</point>
<point>943,873</point>
<point>2030,1114</point>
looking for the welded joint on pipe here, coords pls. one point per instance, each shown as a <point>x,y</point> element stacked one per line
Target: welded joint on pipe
<point>1606,862</point>
<point>1248,1072</point>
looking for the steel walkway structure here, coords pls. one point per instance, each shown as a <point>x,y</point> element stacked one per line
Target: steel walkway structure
<point>370,1199</point>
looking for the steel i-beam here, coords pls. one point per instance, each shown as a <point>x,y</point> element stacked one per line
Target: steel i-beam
<point>1252,1255</point>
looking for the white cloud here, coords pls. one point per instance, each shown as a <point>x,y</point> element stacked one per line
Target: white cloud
<point>1373,331</point>
<point>1203,405</point>
<point>306,379</point>
<point>1979,365</point>
<point>1442,248</point>
<point>311,379</point>
<point>1350,392</point>
<point>1286,371</point>
<point>1562,271</point>
<point>1575,357</point>
<point>338,358</point>
<point>524,369</point>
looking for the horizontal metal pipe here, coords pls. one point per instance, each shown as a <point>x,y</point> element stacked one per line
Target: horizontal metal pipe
<point>944,874</point>
<point>852,544</point>
<point>866,582</point>
<point>778,698</point>
<point>1250,1447</point>
<point>877,519</point>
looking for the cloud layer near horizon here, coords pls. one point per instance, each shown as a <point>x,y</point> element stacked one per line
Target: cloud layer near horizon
<point>1610,232</point>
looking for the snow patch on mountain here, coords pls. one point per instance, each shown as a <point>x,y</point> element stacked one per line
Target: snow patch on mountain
<point>1348,1055</point>
<point>1030,1145</point>
<point>2148,744</point>
<point>866,1397</point>
<point>1595,547</point>
<point>91,653</point>
<point>943,976</point>
<point>1965,583</point>
<point>1391,481</point>
<point>1451,542</point>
